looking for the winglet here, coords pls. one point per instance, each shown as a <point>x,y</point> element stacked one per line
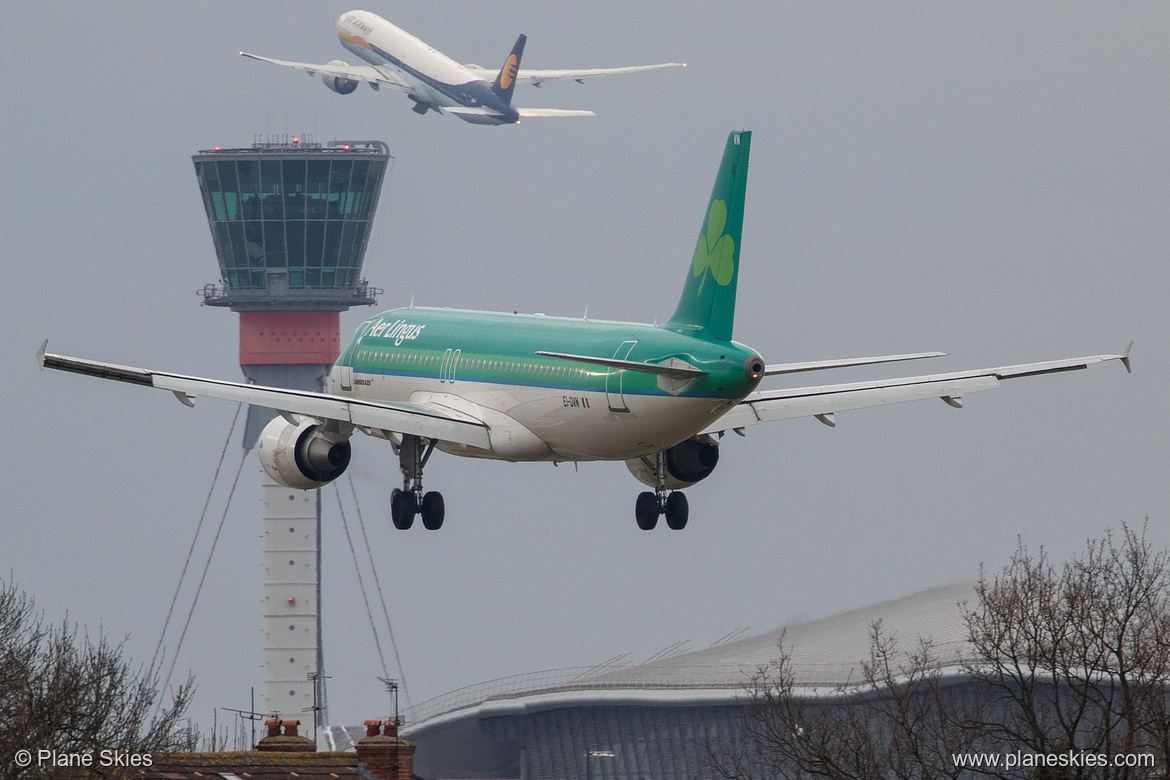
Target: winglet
<point>41,354</point>
<point>1125,359</point>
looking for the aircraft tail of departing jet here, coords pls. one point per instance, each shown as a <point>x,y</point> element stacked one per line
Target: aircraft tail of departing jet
<point>505,83</point>
<point>707,304</point>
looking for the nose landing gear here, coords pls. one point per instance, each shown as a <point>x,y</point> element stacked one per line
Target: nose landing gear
<point>651,505</point>
<point>411,500</point>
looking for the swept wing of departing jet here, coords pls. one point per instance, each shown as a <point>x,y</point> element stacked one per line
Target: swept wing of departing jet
<point>397,60</point>
<point>520,387</point>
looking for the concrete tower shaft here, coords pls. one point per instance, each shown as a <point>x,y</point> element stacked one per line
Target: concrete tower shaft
<point>290,221</point>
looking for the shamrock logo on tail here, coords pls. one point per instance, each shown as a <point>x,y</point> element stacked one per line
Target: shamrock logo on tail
<point>715,255</point>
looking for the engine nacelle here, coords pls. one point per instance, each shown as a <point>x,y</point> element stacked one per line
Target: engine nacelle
<point>686,463</point>
<point>337,84</point>
<point>300,456</point>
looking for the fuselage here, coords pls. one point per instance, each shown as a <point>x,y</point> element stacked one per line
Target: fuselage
<point>435,79</point>
<point>544,408</point>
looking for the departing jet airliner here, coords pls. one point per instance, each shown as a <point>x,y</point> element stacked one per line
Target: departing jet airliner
<point>520,387</point>
<point>434,81</point>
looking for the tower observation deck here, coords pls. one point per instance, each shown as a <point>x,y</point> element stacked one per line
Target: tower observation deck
<point>290,221</point>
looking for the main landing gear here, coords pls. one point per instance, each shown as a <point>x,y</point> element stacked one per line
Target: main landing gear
<point>651,505</point>
<point>413,454</point>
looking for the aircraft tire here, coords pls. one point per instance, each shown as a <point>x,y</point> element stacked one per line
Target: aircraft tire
<point>646,510</point>
<point>433,510</point>
<point>402,509</point>
<point>677,511</point>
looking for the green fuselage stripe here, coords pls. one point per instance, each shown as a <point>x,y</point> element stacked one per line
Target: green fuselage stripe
<point>484,347</point>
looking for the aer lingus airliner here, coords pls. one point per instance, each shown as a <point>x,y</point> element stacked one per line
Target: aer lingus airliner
<point>434,81</point>
<point>518,387</point>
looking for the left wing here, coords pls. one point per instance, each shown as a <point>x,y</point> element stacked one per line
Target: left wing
<point>822,402</point>
<point>427,420</point>
<point>538,77</point>
<point>375,77</point>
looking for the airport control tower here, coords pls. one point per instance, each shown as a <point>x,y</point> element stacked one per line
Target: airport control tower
<point>290,220</point>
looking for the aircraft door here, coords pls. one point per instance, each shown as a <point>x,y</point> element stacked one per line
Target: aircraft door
<point>445,366</point>
<point>347,358</point>
<point>613,380</point>
<point>450,363</point>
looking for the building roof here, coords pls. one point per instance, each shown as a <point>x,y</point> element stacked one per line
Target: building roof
<point>825,653</point>
<point>254,765</point>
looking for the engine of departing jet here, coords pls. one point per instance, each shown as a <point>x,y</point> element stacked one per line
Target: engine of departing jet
<point>336,83</point>
<point>301,456</point>
<point>686,463</point>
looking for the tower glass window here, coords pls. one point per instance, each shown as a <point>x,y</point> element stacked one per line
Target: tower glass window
<point>291,220</point>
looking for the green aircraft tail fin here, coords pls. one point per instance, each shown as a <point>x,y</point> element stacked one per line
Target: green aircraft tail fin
<point>707,305</point>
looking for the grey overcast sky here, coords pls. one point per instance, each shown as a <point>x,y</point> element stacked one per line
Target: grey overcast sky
<point>991,180</point>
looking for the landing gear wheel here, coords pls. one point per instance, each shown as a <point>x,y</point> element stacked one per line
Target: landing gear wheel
<point>402,509</point>
<point>677,511</point>
<point>432,511</point>
<point>646,510</point>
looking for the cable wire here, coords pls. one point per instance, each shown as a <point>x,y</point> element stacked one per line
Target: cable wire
<point>191,550</point>
<point>361,582</point>
<point>378,585</point>
<point>206,566</point>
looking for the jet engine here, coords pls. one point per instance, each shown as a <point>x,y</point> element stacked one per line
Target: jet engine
<point>686,463</point>
<point>301,456</point>
<point>338,84</point>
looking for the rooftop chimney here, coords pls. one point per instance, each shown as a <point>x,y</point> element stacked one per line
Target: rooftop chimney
<point>384,753</point>
<point>288,742</point>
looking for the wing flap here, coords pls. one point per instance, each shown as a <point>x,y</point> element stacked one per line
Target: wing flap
<point>432,422</point>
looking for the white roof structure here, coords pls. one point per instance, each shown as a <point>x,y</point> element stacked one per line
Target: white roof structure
<point>825,653</point>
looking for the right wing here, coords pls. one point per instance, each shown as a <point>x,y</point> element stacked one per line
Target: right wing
<point>376,77</point>
<point>429,421</point>
<point>538,77</point>
<point>822,402</point>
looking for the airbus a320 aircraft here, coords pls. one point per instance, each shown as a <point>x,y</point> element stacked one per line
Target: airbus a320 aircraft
<point>434,81</point>
<point>520,387</point>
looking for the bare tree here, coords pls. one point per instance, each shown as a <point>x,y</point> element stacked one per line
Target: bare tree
<point>1080,654</point>
<point>63,691</point>
<point>901,718</point>
<point>1068,660</point>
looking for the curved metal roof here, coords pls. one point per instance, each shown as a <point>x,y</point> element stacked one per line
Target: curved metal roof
<point>825,653</point>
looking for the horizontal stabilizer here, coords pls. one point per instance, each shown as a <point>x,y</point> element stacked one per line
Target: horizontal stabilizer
<point>553,112</point>
<point>471,111</point>
<point>673,371</point>
<point>820,365</point>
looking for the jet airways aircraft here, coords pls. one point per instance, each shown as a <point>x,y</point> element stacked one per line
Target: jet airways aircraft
<point>520,387</point>
<point>433,80</point>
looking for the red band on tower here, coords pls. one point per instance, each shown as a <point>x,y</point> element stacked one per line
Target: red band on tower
<point>289,337</point>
